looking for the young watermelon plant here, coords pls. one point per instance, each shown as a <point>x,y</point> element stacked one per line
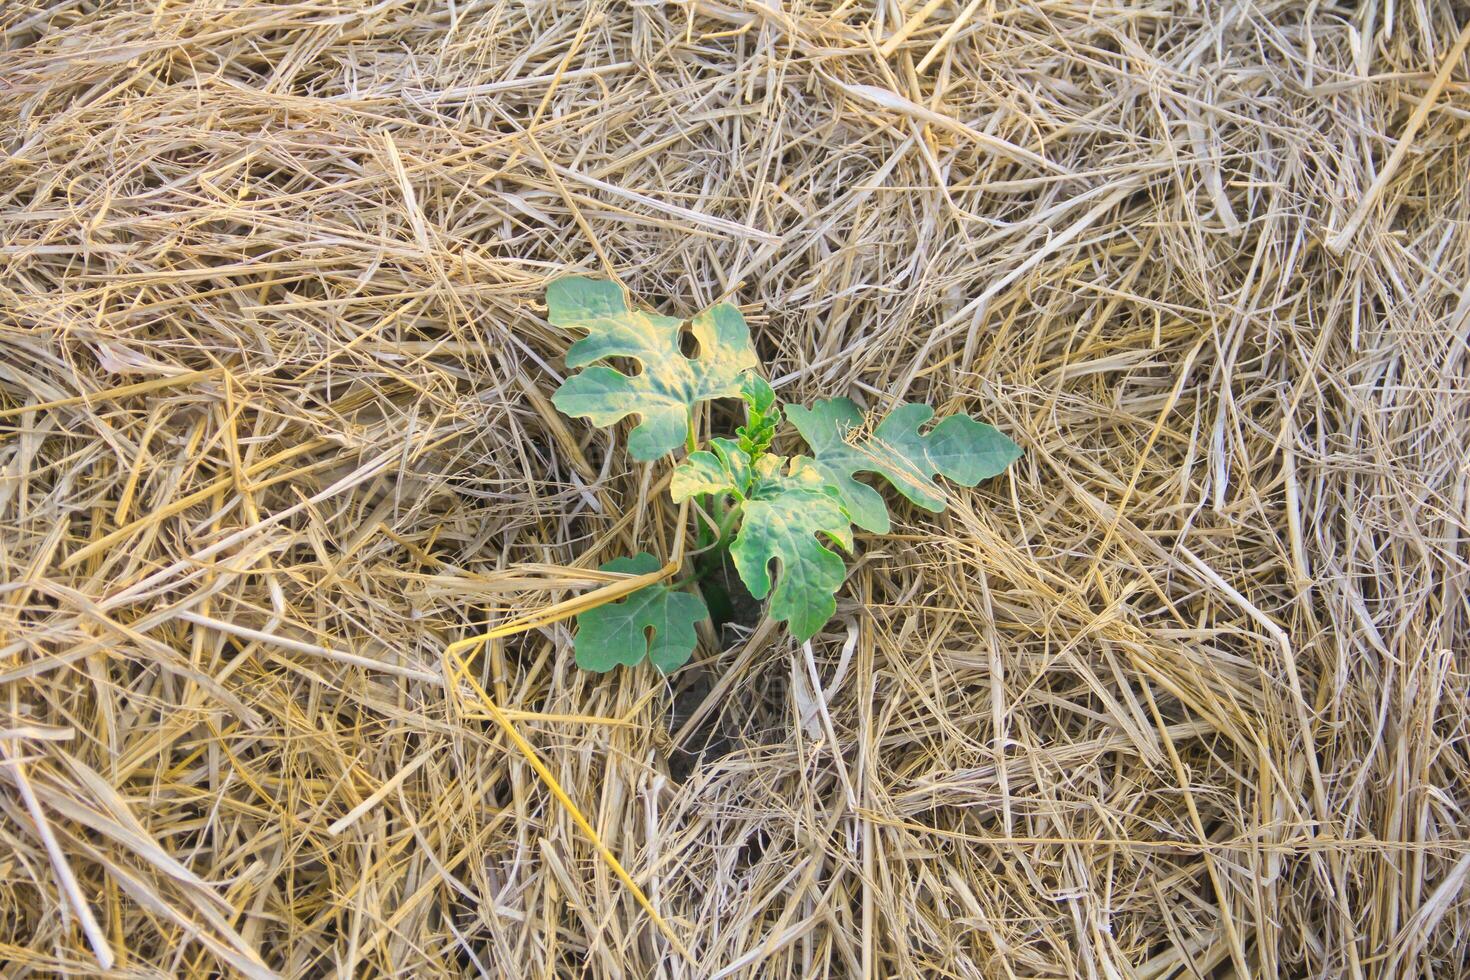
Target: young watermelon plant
<point>762,506</point>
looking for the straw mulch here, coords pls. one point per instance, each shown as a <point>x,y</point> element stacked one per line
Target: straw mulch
<point>1182,695</point>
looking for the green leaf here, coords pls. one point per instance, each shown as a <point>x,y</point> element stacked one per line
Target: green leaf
<point>618,632</point>
<point>784,509</point>
<point>724,468</point>
<point>960,448</point>
<point>761,415</point>
<point>668,386</point>
<point>759,396</point>
<point>782,518</point>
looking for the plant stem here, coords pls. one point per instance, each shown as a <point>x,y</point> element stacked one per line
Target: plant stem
<point>701,527</point>
<point>727,524</point>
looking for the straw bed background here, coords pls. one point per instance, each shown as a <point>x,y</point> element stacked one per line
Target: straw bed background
<point>1181,695</point>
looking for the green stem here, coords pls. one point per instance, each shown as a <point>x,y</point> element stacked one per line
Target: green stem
<point>727,524</point>
<point>702,538</point>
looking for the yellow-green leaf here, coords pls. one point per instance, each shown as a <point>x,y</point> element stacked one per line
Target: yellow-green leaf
<point>781,518</point>
<point>959,448</point>
<point>668,385</point>
<point>723,468</point>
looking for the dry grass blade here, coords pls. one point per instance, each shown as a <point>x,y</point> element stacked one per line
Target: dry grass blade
<point>292,537</point>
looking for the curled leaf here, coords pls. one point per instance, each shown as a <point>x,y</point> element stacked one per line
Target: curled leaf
<point>668,385</point>
<point>759,396</point>
<point>655,622</point>
<point>959,448</point>
<point>723,468</point>
<point>762,416</point>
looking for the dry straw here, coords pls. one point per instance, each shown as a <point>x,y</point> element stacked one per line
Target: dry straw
<point>290,532</point>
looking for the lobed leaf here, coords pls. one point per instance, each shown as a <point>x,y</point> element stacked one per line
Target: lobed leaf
<point>959,448</point>
<point>782,517</point>
<point>655,622</point>
<point>669,384</point>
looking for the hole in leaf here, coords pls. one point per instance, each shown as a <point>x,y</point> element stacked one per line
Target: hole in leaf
<point>630,366</point>
<point>688,343</point>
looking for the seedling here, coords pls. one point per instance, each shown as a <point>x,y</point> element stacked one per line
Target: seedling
<point>760,505</point>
